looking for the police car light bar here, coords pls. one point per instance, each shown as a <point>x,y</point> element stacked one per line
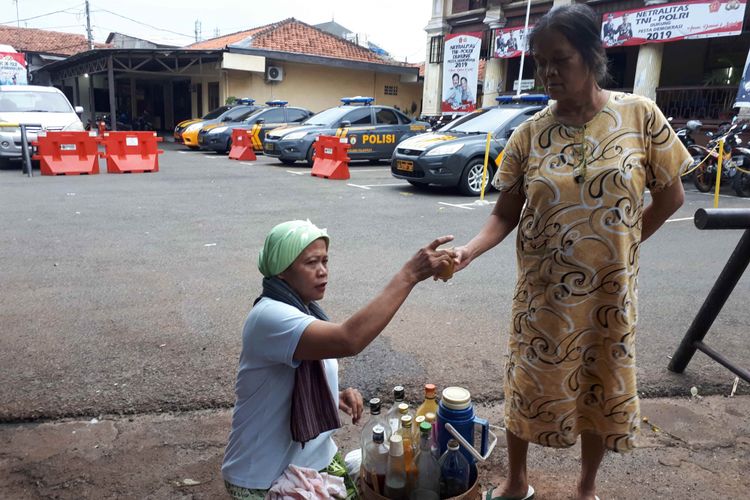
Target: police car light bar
<point>277,103</point>
<point>357,100</point>
<point>526,98</point>
<point>245,100</point>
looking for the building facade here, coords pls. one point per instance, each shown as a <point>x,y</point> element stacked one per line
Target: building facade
<point>695,78</point>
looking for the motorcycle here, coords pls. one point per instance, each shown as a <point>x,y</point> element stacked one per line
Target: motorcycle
<point>685,133</point>
<point>704,176</point>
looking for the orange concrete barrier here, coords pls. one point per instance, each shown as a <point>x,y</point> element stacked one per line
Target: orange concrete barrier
<point>242,146</point>
<point>331,160</point>
<point>131,152</point>
<point>67,153</point>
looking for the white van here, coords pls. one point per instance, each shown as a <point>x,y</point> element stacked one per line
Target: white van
<point>45,107</point>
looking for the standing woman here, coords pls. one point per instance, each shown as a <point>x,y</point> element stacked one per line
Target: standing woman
<point>287,386</point>
<point>574,175</point>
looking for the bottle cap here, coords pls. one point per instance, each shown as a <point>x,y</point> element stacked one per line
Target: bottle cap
<point>419,420</point>
<point>456,398</point>
<point>378,433</point>
<point>452,445</point>
<point>425,427</point>
<point>403,408</point>
<point>429,391</point>
<point>405,420</point>
<point>375,406</point>
<point>398,393</point>
<point>430,417</point>
<point>397,446</point>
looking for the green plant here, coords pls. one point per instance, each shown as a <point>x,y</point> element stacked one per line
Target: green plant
<point>230,100</point>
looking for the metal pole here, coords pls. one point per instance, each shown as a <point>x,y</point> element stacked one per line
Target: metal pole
<point>25,148</point>
<point>525,45</point>
<point>88,27</point>
<point>711,307</point>
<point>112,101</point>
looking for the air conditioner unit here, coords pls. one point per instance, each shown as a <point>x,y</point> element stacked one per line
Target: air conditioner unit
<point>274,73</point>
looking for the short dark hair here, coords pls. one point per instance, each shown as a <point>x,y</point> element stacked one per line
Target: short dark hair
<point>464,79</point>
<point>455,75</point>
<point>580,25</point>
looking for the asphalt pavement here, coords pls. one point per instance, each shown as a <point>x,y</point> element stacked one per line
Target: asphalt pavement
<point>126,294</point>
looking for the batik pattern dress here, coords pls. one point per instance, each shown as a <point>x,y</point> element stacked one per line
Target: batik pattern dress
<point>570,365</point>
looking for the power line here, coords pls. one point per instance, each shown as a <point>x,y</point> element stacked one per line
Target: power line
<point>44,15</point>
<point>144,24</point>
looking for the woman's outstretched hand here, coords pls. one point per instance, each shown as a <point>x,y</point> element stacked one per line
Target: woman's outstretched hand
<point>462,258</point>
<point>429,261</point>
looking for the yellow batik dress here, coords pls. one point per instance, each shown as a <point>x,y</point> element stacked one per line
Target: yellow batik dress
<point>570,365</point>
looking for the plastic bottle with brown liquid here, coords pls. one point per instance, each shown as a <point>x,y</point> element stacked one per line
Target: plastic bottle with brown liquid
<point>395,476</point>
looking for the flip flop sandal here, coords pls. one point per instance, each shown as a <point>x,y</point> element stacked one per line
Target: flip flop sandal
<point>529,495</point>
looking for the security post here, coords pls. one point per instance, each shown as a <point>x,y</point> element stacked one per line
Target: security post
<point>718,172</point>
<point>717,218</point>
<point>484,171</point>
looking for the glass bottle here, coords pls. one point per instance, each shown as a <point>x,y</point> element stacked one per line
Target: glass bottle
<point>406,435</point>
<point>395,476</point>
<point>430,404</point>
<point>415,429</point>
<point>375,460</point>
<point>393,415</point>
<point>376,418</point>
<point>431,418</point>
<point>454,471</point>
<point>427,485</point>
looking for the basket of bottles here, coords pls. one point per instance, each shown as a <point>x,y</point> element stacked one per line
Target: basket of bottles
<point>403,457</point>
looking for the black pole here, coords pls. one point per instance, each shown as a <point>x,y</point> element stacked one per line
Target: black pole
<point>711,307</point>
<point>25,148</point>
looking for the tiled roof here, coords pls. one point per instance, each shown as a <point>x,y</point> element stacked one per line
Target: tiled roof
<point>47,42</point>
<point>291,35</point>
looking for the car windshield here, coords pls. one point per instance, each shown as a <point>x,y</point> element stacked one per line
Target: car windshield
<point>482,120</point>
<point>253,115</point>
<point>31,101</point>
<point>328,118</point>
<point>215,113</point>
<point>235,113</point>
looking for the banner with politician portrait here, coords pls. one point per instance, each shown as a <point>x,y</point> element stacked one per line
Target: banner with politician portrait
<point>669,22</point>
<point>743,93</point>
<point>511,42</point>
<point>460,72</point>
<point>12,69</point>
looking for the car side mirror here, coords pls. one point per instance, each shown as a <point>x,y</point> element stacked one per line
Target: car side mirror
<point>260,121</point>
<point>78,110</point>
<point>346,123</point>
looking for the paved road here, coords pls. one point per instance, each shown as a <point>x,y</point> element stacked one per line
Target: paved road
<point>127,294</point>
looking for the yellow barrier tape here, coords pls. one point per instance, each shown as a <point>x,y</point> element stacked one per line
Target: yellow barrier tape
<point>13,125</point>
<point>718,172</point>
<point>701,162</point>
<point>484,170</point>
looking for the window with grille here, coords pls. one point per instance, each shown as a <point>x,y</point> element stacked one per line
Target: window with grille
<point>391,90</point>
<point>436,49</point>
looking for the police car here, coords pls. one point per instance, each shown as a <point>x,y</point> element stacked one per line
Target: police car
<point>454,155</point>
<point>219,137</point>
<point>238,112</point>
<point>373,131</point>
<point>214,113</point>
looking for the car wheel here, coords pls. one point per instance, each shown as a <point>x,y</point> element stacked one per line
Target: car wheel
<point>194,148</point>
<point>471,180</point>
<point>287,161</point>
<point>5,164</point>
<point>311,156</point>
<point>229,146</point>
<point>374,162</point>
<point>741,184</point>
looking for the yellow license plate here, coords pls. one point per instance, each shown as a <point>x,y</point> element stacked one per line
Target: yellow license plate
<point>405,165</point>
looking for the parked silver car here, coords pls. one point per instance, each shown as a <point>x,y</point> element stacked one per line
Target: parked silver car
<point>46,107</point>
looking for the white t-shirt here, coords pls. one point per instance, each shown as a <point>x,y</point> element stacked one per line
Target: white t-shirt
<point>260,444</point>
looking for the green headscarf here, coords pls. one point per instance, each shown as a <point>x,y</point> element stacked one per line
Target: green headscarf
<point>284,244</point>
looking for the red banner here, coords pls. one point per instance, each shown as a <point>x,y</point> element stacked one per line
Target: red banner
<point>670,22</point>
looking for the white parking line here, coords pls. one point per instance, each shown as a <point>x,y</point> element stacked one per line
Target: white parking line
<point>455,205</point>
<point>358,186</point>
<point>247,163</point>
<point>295,173</point>
<point>370,186</point>
<point>680,219</point>
<point>213,157</point>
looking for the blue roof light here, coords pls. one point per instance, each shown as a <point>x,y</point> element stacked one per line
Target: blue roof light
<point>277,103</point>
<point>348,101</point>
<point>524,98</point>
<point>245,100</point>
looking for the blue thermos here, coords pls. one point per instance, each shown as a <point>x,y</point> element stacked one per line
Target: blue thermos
<point>456,420</point>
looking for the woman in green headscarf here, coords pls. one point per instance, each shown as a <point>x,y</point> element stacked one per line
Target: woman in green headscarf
<point>287,385</point>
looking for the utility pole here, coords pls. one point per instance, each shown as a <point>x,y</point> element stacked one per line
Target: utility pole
<point>88,27</point>
<point>197,30</point>
<point>18,18</point>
